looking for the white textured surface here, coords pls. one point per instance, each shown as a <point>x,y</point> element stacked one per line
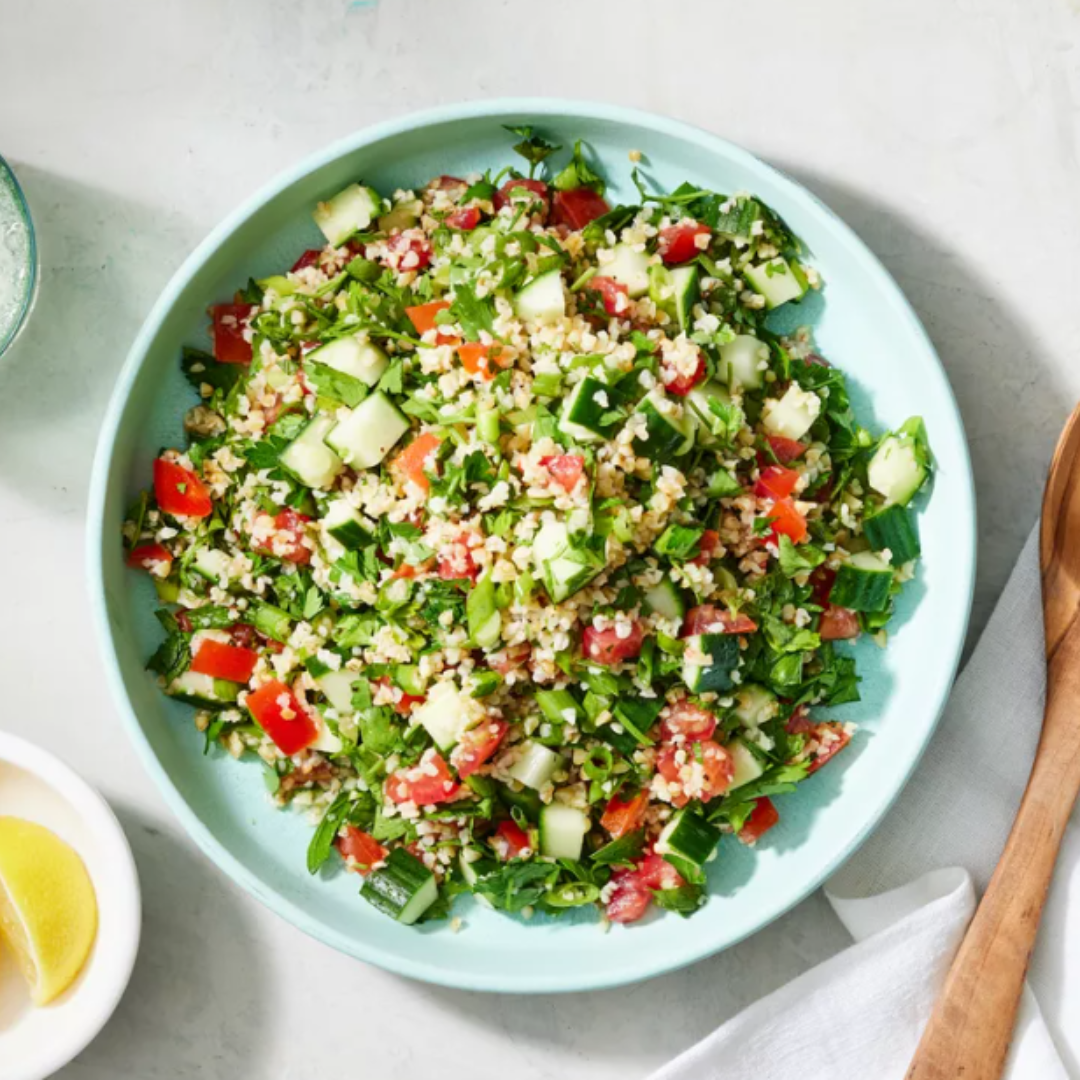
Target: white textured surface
<point>945,133</point>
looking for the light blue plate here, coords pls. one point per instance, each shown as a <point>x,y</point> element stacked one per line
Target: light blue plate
<point>863,324</point>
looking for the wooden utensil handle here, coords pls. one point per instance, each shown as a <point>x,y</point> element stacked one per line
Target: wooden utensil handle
<point>970,1029</point>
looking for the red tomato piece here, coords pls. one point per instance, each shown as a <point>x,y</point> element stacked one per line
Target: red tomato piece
<point>287,540</point>
<point>179,491</point>
<point>408,250</point>
<point>426,783</point>
<point>510,840</point>
<point>242,634</point>
<point>775,482</point>
<point>575,209</point>
<point>415,460</point>
<point>710,619</point>
<point>708,546</point>
<point>466,219</point>
<point>692,722</point>
<point>680,385</point>
<point>786,450</point>
<point>787,521</point>
<point>655,872</point>
<point>221,661</point>
<point>478,745</point>
<point>799,722</point>
<point>537,193</point>
<point>629,900</point>
<point>822,579</point>
<point>228,330</point>
<point>838,624</point>
<point>620,818</point>
<point>422,316</point>
<point>832,738</point>
<point>154,558</point>
<point>456,562</point>
<point>566,469</point>
<point>447,183</point>
<point>762,818</point>
<point>607,647</point>
<point>679,243</point>
<point>279,714</point>
<point>677,765</point>
<point>478,359</point>
<point>309,258</point>
<point>511,659</point>
<point>407,702</point>
<point>359,850</point>
<point>613,294</point>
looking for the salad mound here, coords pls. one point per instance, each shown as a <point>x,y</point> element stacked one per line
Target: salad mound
<point>517,546</point>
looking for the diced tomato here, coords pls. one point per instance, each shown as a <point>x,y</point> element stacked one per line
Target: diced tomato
<point>832,738</point>
<point>466,219</point>
<point>821,579</point>
<point>606,647</point>
<point>708,546</point>
<point>179,491</point>
<point>679,244</point>
<point>510,840</point>
<point>655,872</point>
<point>775,482</point>
<point>838,624</point>
<point>575,209</point>
<point>447,183</point>
<point>787,521</point>
<point>280,715</point>
<point>154,558</point>
<point>309,258</point>
<point>786,450</point>
<point>287,540</point>
<point>404,704</point>
<point>690,721</point>
<point>681,385</point>
<point>511,658</point>
<point>538,191</point>
<point>229,344</point>
<point>711,619</point>
<point>415,459</point>
<point>408,250</point>
<point>426,783</point>
<point>762,818</point>
<point>566,469</point>
<point>799,722</point>
<point>422,316</point>
<point>717,767</point>
<point>620,817</point>
<point>359,850</point>
<point>613,294</point>
<point>408,571</point>
<point>629,899</point>
<point>477,746</point>
<point>222,661</point>
<point>244,635</point>
<point>479,359</point>
<point>456,562</point>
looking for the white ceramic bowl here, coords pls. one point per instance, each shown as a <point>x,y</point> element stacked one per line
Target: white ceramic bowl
<point>34,1042</point>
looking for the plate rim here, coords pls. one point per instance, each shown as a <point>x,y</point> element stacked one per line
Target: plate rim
<point>501,108</point>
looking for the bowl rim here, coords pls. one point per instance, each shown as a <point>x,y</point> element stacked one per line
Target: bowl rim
<point>7,175</point>
<point>502,108</point>
<point>100,820</point>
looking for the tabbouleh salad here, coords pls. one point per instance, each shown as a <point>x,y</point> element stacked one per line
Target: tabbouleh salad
<point>517,547</point>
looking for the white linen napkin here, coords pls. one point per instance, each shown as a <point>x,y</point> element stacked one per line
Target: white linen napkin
<point>859,1015</point>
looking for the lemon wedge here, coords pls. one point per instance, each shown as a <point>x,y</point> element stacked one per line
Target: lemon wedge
<point>48,910</point>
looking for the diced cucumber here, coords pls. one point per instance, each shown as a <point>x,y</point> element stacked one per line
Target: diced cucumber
<point>792,416</point>
<point>776,281</point>
<point>689,837</point>
<point>337,686</point>
<point>212,564</point>
<point>708,422</point>
<point>474,868</point>
<point>862,583</point>
<point>562,831</point>
<point>482,613</point>
<point>895,470</point>
<point>675,291</point>
<point>204,691</point>
<point>740,362</point>
<point>565,566</point>
<point>628,267</point>
<point>410,679</point>
<point>747,767</point>
<point>543,299</point>
<point>444,716</point>
<point>272,622</point>
<point>669,429</point>
<point>326,742</point>
<point>581,412</point>
<point>354,356</point>
<point>559,706</point>
<point>665,599</point>
<point>309,459</point>
<point>893,527</point>
<point>366,436</point>
<point>535,766</point>
<point>755,705</point>
<point>344,523</point>
<point>709,660</point>
<point>402,216</point>
<point>403,889</point>
<point>350,211</point>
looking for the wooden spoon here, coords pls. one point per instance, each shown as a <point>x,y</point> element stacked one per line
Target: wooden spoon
<point>970,1029</point>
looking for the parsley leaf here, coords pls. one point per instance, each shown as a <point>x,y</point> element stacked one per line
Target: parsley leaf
<point>578,174</point>
<point>533,148</point>
<point>794,559</point>
<point>472,312</point>
<point>200,367</point>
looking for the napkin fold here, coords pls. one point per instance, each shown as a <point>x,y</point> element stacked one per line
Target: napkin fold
<point>907,896</point>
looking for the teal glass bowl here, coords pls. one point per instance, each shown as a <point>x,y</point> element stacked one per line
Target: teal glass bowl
<point>863,324</point>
